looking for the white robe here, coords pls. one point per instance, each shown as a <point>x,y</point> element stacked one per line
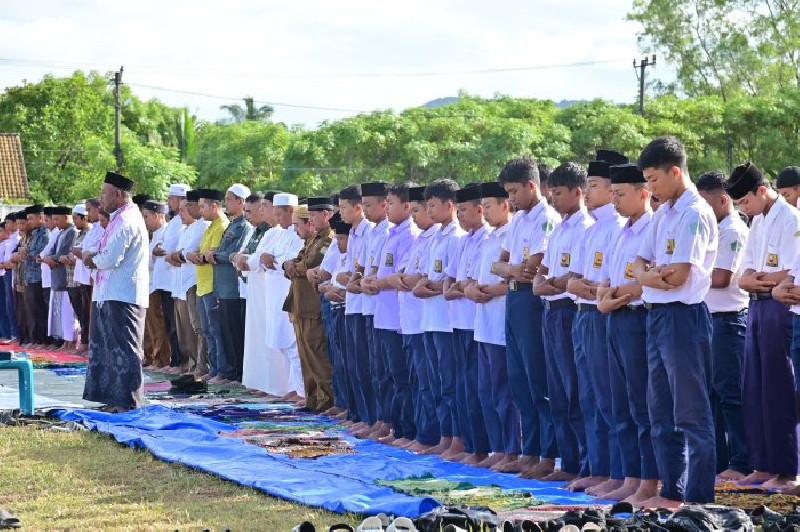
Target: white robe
<point>64,328</point>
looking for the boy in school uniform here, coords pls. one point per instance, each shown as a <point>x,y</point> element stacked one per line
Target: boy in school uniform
<point>674,266</point>
<point>440,197</point>
<point>488,291</point>
<point>728,306</point>
<point>523,250</point>
<point>620,298</point>
<point>423,404</point>
<point>567,186</point>
<point>768,390</point>
<point>589,332</point>
<point>374,202</point>
<point>394,384</point>
<point>356,353</point>
<point>788,184</point>
<point>462,319</point>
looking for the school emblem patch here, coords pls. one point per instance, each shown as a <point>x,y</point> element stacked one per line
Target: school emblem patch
<point>437,266</point>
<point>355,263</point>
<point>548,227</point>
<point>629,271</point>
<point>772,260</point>
<point>565,260</point>
<point>598,259</point>
<point>526,253</point>
<point>670,246</point>
<point>736,246</point>
<point>389,260</point>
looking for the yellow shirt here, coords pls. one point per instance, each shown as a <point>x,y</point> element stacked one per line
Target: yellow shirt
<point>210,240</point>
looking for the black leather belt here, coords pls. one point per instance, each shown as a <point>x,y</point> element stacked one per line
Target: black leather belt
<point>337,306</point>
<point>558,303</point>
<point>516,286</point>
<point>651,306</point>
<point>730,314</point>
<point>760,296</point>
<point>634,308</point>
<point>586,307</point>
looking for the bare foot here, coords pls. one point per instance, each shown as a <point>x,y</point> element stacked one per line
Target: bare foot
<point>648,488</point>
<point>491,460</point>
<point>456,448</point>
<point>730,474</point>
<point>627,489</point>
<point>455,457</point>
<point>560,476</point>
<point>401,442</point>
<point>505,462</point>
<point>522,463</point>
<point>473,459</point>
<point>792,491</point>
<point>585,483</point>
<point>540,470</point>
<point>606,487</point>
<point>756,477</point>
<point>417,447</point>
<point>388,440</point>
<point>781,482</point>
<point>661,502</point>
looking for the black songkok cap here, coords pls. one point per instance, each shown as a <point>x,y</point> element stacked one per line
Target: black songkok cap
<point>416,194</point>
<point>378,189</point>
<point>119,181</point>
<point>192,195</point>
<point>788,177</point>
<point>599,169</point>
<point>48,211</point>
<point>269,195</point>
<point>468,193</point>
<point>34,209</point>
<point>342,228</point>
<point>320,204</point>
<point>153,206</point>
<point>61,210</point>
<point>211,194</point>
<point>610,156</point>
<point>626,173</point>
<point>744,179</point>
<point>140,199</point>
<point>493,189</point>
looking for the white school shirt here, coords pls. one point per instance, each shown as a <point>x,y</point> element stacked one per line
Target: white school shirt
<point>490,317</point>
<point>375,242</point>
<point>730,251</point>
<point>462,311</point>
<point>393,259</point>
<point>330,261</point>
<point>773,242</point>
<point>160,275</point>
<point>565,246</point>
<point>48,249</point>
<point>443,251</point>
<point>529,232</point>
<point>171,244</point>
<point>596,244</point>
<point>685,232</point>
<point>618,265</point>
<point>90,243</point>
<point>189,242</point>
<point>4,253</point>
<point>411,305</point>
<point>357,256</point>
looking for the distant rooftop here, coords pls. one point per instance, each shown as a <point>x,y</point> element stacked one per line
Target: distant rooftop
<point>13,177</point>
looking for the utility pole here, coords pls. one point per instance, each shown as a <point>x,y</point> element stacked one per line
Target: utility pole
<point>646,62</point>
<point>117,112</point>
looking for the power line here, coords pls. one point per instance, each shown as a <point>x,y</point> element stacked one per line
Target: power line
<point>312,75</point>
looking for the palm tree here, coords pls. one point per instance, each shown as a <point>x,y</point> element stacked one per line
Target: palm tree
<point>249,111</point>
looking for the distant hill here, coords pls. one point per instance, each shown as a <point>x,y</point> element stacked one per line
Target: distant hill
<point>441,102</point>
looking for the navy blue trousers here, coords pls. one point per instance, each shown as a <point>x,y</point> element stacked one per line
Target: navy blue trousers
<point>9,303</point>
<point>5,317</point>
<point>396,386</point>
<point>424,399</point>
<point>679,363</point>
<point>527,376</point>
<point>344,396</point>
<point>472,425</point>
<point>562,383</point>
<point>500,416</point>
<point>627,361</point>
<point>727,357</point>
<point>441,375</point>
<point>376,368</point>
<point>769,408</point>
<point>357,365</point>
<point>332,342</point>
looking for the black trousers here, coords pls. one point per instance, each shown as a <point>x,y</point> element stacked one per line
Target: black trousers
<point>168,307</point>
<point>36,312</point>
<point>23,331</point>
<point>81,300</point>
<point>231,317</point>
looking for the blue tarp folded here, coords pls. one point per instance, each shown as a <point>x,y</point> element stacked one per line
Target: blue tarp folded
<point>340,483</point>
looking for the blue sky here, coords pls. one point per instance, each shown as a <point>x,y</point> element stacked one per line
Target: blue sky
<point>346,56</point>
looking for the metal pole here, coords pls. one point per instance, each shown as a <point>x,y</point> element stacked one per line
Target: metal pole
<point>117,112</point>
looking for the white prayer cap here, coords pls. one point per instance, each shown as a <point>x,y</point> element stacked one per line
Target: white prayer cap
<point>178,189</point>
<point>285,200</point>
<point>79,209</point>
<point>239,190</point>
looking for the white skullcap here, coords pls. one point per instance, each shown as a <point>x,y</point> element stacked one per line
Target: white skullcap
<point>285,200</point>
<point>178,189</point>
<point>80,208</point>
<point>239,190</point>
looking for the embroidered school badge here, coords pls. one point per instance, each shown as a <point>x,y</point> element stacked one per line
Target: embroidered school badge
<point>670,246</point>
<point>629,271</point>
<point>548,227</point>
<point>736,246</point>
<point>598,259</point>
<point>565,260</point>
<point>355,263</point>
<point>526,253</point>
<point>389,260</point>
<point>772,260</point>
<point>437,266</point>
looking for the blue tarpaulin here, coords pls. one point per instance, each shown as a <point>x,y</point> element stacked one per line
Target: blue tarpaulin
<point>340,483</point>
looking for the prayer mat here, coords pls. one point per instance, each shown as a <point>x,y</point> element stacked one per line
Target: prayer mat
<point>730,493</point>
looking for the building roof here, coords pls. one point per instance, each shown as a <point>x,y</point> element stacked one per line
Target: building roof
<point>13,177</point>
